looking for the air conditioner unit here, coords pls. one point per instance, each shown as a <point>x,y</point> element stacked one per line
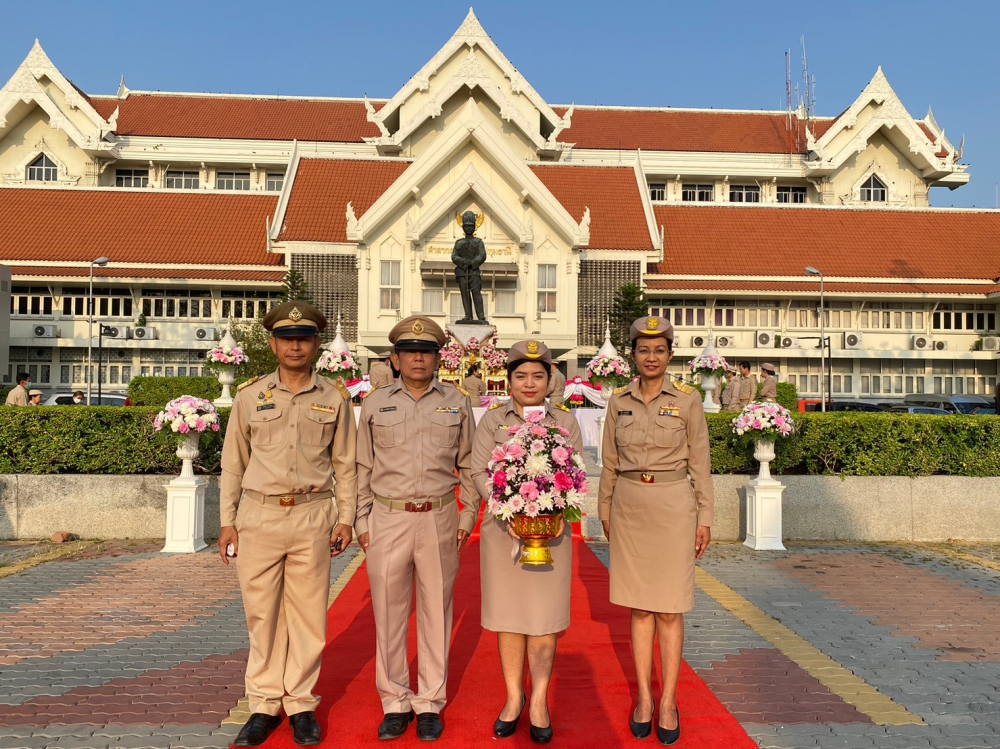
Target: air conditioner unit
<point>940,345</point>
<point>725,341</point>
<point>853,340</point>
<point>922,342</point>
<point>788,342</point>
<point>207,334</point>
<point>991,343</point>
<point>765,339</point>
<point>114,331</point>
<point>144,333</point>
<point>45,331</point>
<point>699,341</point>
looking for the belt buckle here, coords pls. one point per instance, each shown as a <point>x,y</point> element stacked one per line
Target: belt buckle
<point>286,501</point>
<point>418,507</point>
<point>647,478</point>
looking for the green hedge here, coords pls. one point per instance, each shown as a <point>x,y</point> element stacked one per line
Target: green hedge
<point>81,439</point>
<point>158,391</point>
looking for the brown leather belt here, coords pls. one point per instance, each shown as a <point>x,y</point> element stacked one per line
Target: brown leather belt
<point>287,500</point>
<point>425,506</point>
<point>655,477</point>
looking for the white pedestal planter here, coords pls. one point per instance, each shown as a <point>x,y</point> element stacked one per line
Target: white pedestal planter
<point>764,504</point>
<point>709,384</point>
<point>186,503</point>
<point>606,392</point>
<point>227,378</point>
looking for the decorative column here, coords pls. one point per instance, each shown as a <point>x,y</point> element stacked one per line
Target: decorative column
<point>607,349</point>
<point>763,494</point>
<point>227,374</point>
<point>186,503</point>
<point>710,383</point>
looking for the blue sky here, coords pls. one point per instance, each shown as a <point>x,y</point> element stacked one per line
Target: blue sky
<point>685,54</point>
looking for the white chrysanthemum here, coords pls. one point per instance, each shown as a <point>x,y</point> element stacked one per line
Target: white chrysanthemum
<point>536,465</point>
<point>545,502</point>
<point>578,461</point>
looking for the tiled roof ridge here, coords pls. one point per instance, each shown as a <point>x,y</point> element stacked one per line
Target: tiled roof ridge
<point>822,207</point>
<point>695,110</point>
<point>78,189</point>
<point>251,97</point>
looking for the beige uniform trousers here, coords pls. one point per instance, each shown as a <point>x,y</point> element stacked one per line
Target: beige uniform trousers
<point>284,571</point>
<point>403,543</point>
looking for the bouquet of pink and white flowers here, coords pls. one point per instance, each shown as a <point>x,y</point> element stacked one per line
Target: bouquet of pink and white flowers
<point>764,421</point>
<point>609,370</point>
<point>451,355</point>
<point>339,364</point>
<point>228,356</point>
<point>711,365</point>
<point>187,414</point>
<point>493,357</point>
<point>537,472</point>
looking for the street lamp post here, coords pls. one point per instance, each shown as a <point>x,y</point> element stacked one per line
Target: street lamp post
<point>822,338</point>
<point>100,263</point>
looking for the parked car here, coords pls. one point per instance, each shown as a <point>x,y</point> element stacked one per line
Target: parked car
<point>925,410</point>
<point>107,399</point>
<point>984,411</point>
<point>955,404</point>
<point>811,406</point>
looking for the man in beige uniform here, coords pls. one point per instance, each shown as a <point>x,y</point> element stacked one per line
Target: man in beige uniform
<point>768,383</point>
<point>474,385</point>
<point>412,437</point>
<point>380,374</point>
<point>748,385</point>
<point>289,433</point>
<point>18,395</point>
<point>557,386</point>
<point>731,395</point>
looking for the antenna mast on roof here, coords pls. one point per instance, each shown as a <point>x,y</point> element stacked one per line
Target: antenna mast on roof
<point>810,82</point>
<point>788,105</point>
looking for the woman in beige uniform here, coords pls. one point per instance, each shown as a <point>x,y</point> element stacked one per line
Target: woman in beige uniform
<point>656,501</point>
<point>526,606</point>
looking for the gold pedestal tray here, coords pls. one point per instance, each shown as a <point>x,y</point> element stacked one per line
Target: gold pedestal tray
<point>535,533</point>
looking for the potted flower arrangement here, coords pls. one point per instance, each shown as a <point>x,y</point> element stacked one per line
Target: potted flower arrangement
<point>226,357</point>
<point>451,355</point>
<point>711,367</point>
<point>494,358</point>
<point>537,476</point>
<point>609,372</point>
<point>188,416</point>
<point>339,364</point>
<point>764,423</point>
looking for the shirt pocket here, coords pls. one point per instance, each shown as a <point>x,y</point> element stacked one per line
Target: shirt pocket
<point>445,429</point>
<point>317,428</point>
<point>265,427</point>
<point>389,429</point>
<point>623,430</point>
<point>669,431</point>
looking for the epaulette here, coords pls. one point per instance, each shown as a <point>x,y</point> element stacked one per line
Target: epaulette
<point>562,406</point>
<point>343,389</point>
<point>248,383</point>
<point>622,389</point>
<point>684,387</point>
<point>461,389</point>
<point>498,404</point>
<point>365,395</point>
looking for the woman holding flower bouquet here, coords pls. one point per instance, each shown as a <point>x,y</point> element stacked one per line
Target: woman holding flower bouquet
<point>656,502</point>
<point>527,606</point>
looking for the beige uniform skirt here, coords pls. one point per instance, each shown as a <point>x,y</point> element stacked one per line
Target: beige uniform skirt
<point>653,529</point>
<point>523,599</point>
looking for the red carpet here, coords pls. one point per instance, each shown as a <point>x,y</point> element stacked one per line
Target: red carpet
<point>590,698</point>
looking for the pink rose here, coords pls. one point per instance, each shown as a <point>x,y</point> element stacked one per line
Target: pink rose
<point>563,431</point>
<point>560,455</point>
<point>539,431</point>
<point>529,491</point>
<point>563,482</point>
<point>534,417</point>
<point>515,451</point>
<point>500,479</point>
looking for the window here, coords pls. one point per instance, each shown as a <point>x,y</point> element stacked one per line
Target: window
<point>242,305</point>
<point>108,303</point>
<point>744,194</point>
<point>791,194</point>
<point>892,316</point>
<point>682,312</point>
<point>433,301</point>
<point>657,191</point>
<point>389,284</point>
<point>43,169</point>
<point>275,182</point>
<point>194,304</point>
<point>698,193</point>
<point>803,314</point>
<point>131,178</point>
<point>503,302</point>
<point>978,318</point>
<point>182,180</point>
<point>873,190</point>
<point>546,289</point>
<point>232,181</point>
<point>32,301</point>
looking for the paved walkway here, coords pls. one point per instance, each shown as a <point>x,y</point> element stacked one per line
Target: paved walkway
<point>823,645</point>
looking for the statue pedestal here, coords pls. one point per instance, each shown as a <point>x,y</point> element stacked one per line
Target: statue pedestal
<point>464,333</point>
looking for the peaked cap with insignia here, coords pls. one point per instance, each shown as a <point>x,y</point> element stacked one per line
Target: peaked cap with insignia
<point>294,320</point>
<point>416,333</point>
<point>530,350</point>
<point>651,327</point>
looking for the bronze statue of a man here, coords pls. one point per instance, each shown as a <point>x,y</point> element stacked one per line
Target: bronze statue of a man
<point>468,255</point>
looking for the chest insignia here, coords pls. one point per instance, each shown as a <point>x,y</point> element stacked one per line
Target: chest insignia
<point>266,407</point>
<point>503,427</point>
<point>624,413</point>
<point>269,394</point>
<point>324,409</point>
<point>260,395</point>
<point>447,410</point>
<point>670,410</point>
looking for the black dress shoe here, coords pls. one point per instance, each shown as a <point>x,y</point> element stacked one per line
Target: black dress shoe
<point>504,729</point>
<point>429,726</point>
<point>641,730</point>
<point>541,735</point>
<point>394,725</point>
<point>256,730</point>
<point>668,736</point>
<point>305,729</point>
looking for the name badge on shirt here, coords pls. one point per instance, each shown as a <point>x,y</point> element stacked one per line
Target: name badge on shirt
<point>447,410</point>
<point>387,408</point>
<point>265,407</point>
<point>324,409</point>
<point>624,413</point>
<point>670,410</point>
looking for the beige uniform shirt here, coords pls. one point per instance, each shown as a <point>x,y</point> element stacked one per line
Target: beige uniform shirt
<point>475,388</point>
<point>557,387</point>
<point>380,375</point>
<point>769,389</point>
<point>409,449</point>
<point>667,434</point>
<point>731,395</point>
<point>278,443</point>
<point>17,396</point>
<point>748,390</point>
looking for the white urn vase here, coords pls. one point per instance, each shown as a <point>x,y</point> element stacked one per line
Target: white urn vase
<point>187,451</point>
<point>764,453</point>
<point>185,532</point>
<point>764,504</point>
<point>709,384</point>
<point>227,378</point>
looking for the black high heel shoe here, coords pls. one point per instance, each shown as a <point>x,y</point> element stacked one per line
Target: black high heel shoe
<point>541,735</point>
<point>672,735</point>
<point>640,730</point>
<point>504,729</point>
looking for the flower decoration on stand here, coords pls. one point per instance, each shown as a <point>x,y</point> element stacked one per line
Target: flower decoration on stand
<point>451,355</point>
<point>495,359</point>
<point>229,356</point>
<point>187,414</point>
<point>338,364</point>
<point>764,421</point>
<point>709,365</point>
<point>537,475</point>
<point>613,371</point>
